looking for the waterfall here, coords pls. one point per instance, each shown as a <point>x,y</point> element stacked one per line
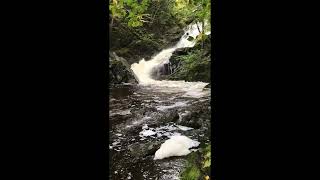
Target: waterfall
<point>144,68</point>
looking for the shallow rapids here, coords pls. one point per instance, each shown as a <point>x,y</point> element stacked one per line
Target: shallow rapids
<point>144,116</point>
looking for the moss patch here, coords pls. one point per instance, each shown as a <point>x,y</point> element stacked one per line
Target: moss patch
<point>198,165</point>
<point>192,171</point>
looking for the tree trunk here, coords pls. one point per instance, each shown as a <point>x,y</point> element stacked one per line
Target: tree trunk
<point>110,31</point>
<point>202,39</point>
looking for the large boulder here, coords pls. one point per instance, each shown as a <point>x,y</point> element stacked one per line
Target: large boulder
<point>119,70</point>
<point>144,149</point>
<point>169,116</point>
<point>197,117</point>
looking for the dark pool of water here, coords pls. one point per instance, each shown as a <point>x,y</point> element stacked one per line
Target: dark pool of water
<point>131,108</point>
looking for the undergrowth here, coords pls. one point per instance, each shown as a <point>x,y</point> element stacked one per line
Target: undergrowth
<point>198,165</point>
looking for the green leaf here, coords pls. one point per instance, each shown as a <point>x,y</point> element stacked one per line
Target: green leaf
<point>207,163</point>
<point>129,2</point>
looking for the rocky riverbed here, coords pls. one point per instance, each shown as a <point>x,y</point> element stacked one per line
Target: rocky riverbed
<point>141,118</point>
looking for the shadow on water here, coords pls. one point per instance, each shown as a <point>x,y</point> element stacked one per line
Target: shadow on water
<point>121,92</point>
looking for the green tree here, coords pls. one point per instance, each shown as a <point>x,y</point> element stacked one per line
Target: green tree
<point>131,11</point>
<point>195,11</point>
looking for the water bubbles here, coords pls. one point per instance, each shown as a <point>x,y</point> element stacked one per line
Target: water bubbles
<point>129,175</point>
<point>145,126</point>
<point>177,104</point>
<point>115,143</point>
<point>147,133</point>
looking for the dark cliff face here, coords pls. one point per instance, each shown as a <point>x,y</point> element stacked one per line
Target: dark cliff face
<point>119,71</point>
<point>143,42</point>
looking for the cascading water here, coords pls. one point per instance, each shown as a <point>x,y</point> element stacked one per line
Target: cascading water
<point>157,119</point>
<point>143,69</point>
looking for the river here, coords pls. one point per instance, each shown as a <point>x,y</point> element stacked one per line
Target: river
<point>143,116</point>
<point>134,107</point>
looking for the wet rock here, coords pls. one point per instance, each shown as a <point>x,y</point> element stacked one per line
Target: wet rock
<point>119,70</point>
<point>144,149</point>
<point>184,117</point>
<point>192,123</point>
<point>195,118</point>
<point>190,38</point>
<point>169,116</point>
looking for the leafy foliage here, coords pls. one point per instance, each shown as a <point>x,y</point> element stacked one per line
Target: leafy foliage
<point>198,165</point>
<point>138,12</point>
<point>195,67</point>
<point>207,157</point>
<point>194,11</point>
<point>192,171</point>
<point>130,10</point>
<point>141,28</point>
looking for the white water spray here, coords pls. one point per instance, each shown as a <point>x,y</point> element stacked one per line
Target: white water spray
<point>143,69</point>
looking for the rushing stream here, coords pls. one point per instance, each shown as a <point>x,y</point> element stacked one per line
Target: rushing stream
<point>143,116</point>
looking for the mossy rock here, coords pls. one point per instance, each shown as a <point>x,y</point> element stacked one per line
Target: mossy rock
<point>198,164</point>
<point>118,72</point>
<point>192,170</point>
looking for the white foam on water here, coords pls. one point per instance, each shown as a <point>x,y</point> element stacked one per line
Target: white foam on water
<point>167,131</point>
<point>177,104</point>
<point>121,112</point>
<point>115,143</point>
<point>137,122</point>
<point>177,145</point>
<point>146,133</point>
<point>184,128</point>
<point>129,175</point>
<point>140,121</point>
<point>124,83</point>
<point>145,126</point>
<point>166,128</point>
